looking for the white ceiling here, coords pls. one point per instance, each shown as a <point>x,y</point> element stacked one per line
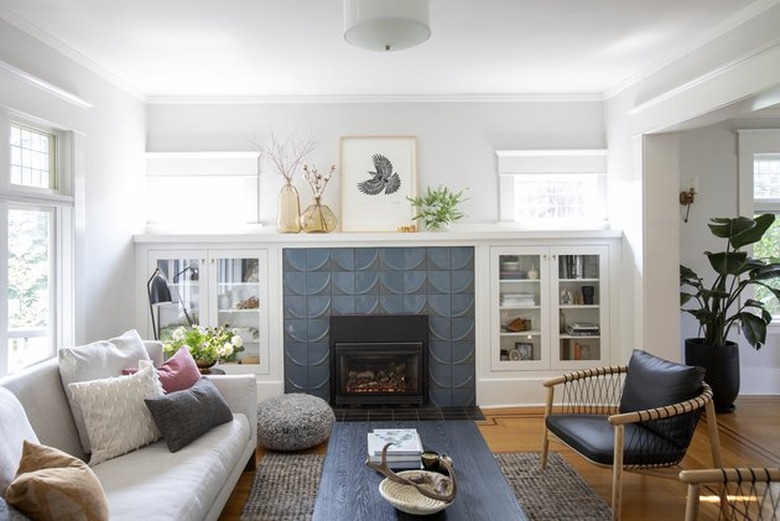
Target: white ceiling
<point>269,48</point>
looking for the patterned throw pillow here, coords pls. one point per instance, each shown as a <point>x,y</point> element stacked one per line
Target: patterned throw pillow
<point>98,360</point>
<point>179,372</point>
<point>53,485</point>
<point>184,416</point>
<point>115,417</point>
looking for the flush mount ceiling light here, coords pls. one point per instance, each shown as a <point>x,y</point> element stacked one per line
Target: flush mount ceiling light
<point>386,25</point>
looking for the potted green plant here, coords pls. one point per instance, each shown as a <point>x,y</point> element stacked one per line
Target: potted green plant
<point>438,208</point>
<point>722,305</point>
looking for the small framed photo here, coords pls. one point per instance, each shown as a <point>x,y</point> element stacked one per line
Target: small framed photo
<point>378,173</point>
<point>525,350</point>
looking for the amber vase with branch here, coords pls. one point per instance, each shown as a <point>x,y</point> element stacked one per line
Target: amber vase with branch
<point>318,217</point>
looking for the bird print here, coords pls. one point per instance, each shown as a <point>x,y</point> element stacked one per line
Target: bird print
<point>383,179</point>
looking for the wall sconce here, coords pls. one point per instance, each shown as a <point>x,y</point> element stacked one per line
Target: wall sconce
<point>688,196</point>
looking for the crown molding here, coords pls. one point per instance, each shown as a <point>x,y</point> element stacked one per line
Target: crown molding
<point>44,85</point>
<point>733,22</point>
<point>374,98</point>
<point>69,52</point>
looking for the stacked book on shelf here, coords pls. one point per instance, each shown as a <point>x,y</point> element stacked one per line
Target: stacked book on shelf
<point>582,329</point>
<point>517,300</point>
<point>404,452</point>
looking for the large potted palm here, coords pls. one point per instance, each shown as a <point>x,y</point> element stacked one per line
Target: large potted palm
<point>724,304</point>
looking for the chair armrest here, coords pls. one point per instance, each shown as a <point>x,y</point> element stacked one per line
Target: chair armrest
<point>585,373</point>
<point>240,393</point>
<point>731,475</point>
<point>667,411</point>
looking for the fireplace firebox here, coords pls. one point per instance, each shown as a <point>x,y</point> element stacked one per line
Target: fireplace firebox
<point>378,359</point>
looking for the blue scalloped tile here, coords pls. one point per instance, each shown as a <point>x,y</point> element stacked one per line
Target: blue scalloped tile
<point>462,281</point>
<point>440,351</point>
<point>296,330</point>
<point>462,376</point>
<point>343,259</point>
<point>462,305</point>
<point>294,259</point>
<point>343,283</point>
<point>440,305</point>
<point>392,259</point>
<point>414,281</point>
<point>294,283</point>
<point>463,352</point>
<point>462,329</point>
<point>391,304</point>
<point>463,397</point>
<point>319,306</point>
<point>440,374</point>
<point>295,306</point>
<point>392,282</point>
<point>414,304</point>
<point>462,258</point>
<point>440,397</point>
<point>296,377</point>
<point>366,282</point>
<point>296,354</point>
<point>366,259</point>
<point>319,377</point>
<point>318,329</point>
<point>368,304</point>
<point>317,283</point>
<point>317,259</point>
<point>343,304</point>
<point>415,258</point>
<point>439,282</point>
<point>440,328</point>
<point>319,354</point>
<point>438,258</point>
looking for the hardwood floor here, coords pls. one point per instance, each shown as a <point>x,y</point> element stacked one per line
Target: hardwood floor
<point>748,437</point>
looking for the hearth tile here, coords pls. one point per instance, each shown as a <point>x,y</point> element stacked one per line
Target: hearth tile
<point>439,258</point>
<point>317,283</point>
<point>319,353</point>
<point>366,259</point>
<point>430,413</point>
<point>295,306</point>
<point>414,282</point>
<point>405,414</point>
<point>294,283</point>
<point>440,352</point>
<point>414,304</point>
<point>318,259</point>
<point>440,328</point>
<point>463,397</point>
<point>294,259</point>
<point>392,259</point>
<point>440,305</point>
<point>462,329</point>
<point>392,282</point>
<point>343,283</point>
<point>463,353</point>
<point>296,354</point>
<point>414,258</point>
<point>296,330</point>
<point>319,306</point>
<point>440,374</point>
<point>391,304</point>
<point>454,413</point>
<point>366,282</point>
<point>343,305</point>
<point>318,329</point>
<point>343,259</point>
<point>462,305</point>
<point>439,282</point>
<point>462,258</point>
<point>462,282</point>
<point>368,304</point>
<point>462,376</point>
<point>439,397</point>
<point>379,414</point>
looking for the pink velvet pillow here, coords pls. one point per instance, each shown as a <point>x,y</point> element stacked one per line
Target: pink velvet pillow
<point>179,372</point>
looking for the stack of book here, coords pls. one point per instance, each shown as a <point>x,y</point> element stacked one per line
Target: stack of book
<point>582,329</point>
<point>404,452</point>
<point>517,300</point>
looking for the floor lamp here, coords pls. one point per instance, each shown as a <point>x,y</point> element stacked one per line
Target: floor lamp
<point>159,292</point>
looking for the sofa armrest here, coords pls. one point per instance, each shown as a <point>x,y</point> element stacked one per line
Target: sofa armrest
<point>240,393</point>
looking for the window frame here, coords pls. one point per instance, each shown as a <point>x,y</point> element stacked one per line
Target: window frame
<point>60,202</point>
<point>750,143</point>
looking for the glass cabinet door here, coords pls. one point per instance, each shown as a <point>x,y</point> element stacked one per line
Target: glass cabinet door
<point>579,292</point>
<point>239,297</point>
<point>520,322</point>
<point>184,282</point>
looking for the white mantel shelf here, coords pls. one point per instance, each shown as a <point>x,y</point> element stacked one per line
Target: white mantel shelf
<point>455,237</point>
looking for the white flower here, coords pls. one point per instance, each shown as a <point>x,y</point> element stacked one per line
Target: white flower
<point>178,333</point>
<point>226,350</point>
<point>237,341</point>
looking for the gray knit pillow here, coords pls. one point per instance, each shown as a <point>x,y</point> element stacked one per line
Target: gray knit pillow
<point>184,416</point>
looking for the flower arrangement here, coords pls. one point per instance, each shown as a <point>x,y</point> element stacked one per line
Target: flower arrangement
<point>207,345</point>
<point>286,156</point>
<point>316,180</point>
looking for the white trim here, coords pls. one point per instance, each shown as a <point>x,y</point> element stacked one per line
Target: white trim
<point>45,86</point>
<point>377,98</point>
<point>733,22</point>
<point>586,161</point>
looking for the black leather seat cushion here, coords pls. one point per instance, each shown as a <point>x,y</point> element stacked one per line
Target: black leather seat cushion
<point>594,437</point>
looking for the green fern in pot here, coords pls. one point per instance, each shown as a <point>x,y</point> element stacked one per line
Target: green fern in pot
<point>438,208</point>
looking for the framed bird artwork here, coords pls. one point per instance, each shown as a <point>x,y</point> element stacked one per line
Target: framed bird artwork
<point>378,173</point>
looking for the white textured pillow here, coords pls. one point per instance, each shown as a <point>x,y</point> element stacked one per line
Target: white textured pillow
<point>98,360</point>
<point>115,416</point>
<point>14,429</point>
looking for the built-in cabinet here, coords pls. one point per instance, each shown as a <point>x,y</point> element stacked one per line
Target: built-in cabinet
<point>549,307</point>
<point>217,288</point>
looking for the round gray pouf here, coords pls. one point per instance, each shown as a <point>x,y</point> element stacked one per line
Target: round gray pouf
<point>296,421</point>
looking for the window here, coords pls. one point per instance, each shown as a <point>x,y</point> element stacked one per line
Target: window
<point>759,178</point>
<point>553,188</point>
<point>36,224</point>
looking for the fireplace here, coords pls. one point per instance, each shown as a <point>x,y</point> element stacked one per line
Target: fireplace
<point>378,359</point>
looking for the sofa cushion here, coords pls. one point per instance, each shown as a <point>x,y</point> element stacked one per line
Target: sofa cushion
<point>183,416</point>
<point>177,373</point>
<point>654,382</point>
<point>98,360</point>
<point>175,486</point>
<point>53,485</point>
<point>14,429</point>
<point>115,417</point>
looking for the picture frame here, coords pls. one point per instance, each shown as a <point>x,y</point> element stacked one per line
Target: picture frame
<point>525,350</point>
<point>378,173</point>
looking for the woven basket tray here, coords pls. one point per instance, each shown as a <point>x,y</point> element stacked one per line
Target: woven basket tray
<point>407,498</point>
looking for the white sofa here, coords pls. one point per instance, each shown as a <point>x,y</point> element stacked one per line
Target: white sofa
<point>151,483</point>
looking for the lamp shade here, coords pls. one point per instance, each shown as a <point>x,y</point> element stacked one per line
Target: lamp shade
<point>158,288</point>
<point>386,25</point>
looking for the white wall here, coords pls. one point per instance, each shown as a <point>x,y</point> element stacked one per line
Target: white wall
<point>110,173</point>
<point>712,154</point>
<point>456,142</point>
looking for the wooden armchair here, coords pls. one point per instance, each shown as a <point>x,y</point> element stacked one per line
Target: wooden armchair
<point>743,493</point>
<point>639,418</point>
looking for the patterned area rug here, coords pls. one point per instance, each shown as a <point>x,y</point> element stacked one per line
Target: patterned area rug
<point>285,488</point>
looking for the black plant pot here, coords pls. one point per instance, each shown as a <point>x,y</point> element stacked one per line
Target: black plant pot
<point>722,365</point>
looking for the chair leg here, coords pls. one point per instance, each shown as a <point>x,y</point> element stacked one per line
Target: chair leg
<point>692,503</point>
<point>546,434</point>
<point>712,429</point>
<point>617,472</point>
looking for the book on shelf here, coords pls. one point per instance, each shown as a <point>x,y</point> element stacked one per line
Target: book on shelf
<point>404,452</point>
<point>518,299</point>
<point>582,329</point>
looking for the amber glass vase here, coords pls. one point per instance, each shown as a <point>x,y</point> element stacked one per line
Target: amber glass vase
<point>318,218</point>
<point>288,217</point>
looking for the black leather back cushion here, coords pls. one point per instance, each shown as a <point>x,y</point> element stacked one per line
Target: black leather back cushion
<point>654,382</point>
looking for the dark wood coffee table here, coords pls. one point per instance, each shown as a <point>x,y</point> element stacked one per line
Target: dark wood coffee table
<point>350,490</point>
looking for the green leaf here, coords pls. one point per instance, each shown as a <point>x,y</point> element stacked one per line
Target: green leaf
<point>754,328</point>
<point>727,263</point>
<point>753,234</point>
<point>727,227</point>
